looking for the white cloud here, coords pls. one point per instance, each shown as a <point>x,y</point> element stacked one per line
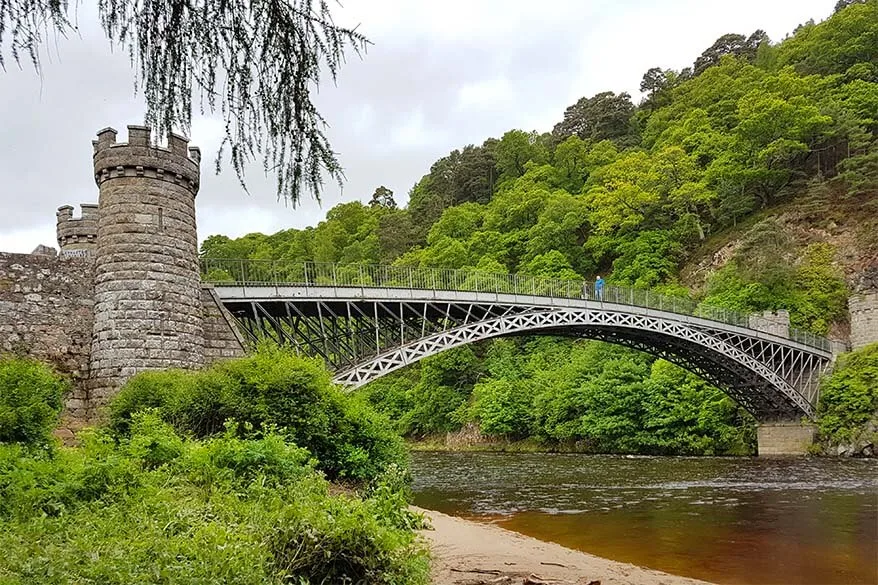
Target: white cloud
<point>23,241</point>
<point>414,132</point>
<point>489,93</point>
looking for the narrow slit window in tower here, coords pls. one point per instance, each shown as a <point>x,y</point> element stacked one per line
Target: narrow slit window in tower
<point>161,219</point>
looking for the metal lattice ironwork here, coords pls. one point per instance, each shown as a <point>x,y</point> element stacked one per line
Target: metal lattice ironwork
<point>364,332</point>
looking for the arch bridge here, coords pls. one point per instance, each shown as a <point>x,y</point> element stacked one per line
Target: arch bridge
<point>367,321</point>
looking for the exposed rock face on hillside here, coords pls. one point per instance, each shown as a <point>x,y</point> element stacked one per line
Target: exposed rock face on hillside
<point>867,280</point>
<point>850,227</point>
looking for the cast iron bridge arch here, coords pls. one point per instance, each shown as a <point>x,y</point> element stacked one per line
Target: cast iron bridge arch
<point>367,321</point>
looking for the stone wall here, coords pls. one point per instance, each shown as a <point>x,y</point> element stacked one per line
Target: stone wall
<point>863,308</point>
<point>46,308</point>
<point>784,438</point>
<point>222,340</point>
<point>772,322</point>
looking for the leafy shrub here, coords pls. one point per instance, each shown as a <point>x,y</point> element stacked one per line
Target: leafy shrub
<point>389,494</point>
<point>347,545</point>
<point>849,396</point>
<point>30,401</point>
<point>271,387</point>
<point>53,483</point>
<point>198,403</point>
<point>503,407</point>
<point>157,508</point>
<point>153,441</point>
<point>270,460</point>
<point>814,292</point>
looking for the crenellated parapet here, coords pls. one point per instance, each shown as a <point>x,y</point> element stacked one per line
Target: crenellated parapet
<point>77,233</point>
<point>772,322</point>
<point>139,157</point>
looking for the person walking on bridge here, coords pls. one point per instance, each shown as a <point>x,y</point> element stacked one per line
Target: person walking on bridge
<point>599,288</point>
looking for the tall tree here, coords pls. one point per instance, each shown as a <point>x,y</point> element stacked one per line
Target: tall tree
<point>603,116</point>
<point>517,148</point>
<point>396,234</point>
<point>383,197</point>
<point>255,62</point>
<point>653,81</point>
<point>730,44</point>
<point>658,82</point>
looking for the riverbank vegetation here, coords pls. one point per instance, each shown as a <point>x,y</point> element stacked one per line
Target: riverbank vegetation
<point>175,490</point>
<point>746,181</point>
<point>565,395</point>
<point>848,413</point>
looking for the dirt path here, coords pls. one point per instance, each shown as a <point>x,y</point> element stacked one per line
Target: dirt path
<point>469,553</point>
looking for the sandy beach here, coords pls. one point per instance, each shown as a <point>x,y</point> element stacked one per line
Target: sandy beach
<point>470,553</point>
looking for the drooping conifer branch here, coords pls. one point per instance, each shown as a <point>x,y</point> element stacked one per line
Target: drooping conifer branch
<point>254,62</point>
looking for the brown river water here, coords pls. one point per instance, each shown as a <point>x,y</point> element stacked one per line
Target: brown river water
<point>727,520</point>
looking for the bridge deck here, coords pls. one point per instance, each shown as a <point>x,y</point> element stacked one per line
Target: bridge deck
<point>234,293</point>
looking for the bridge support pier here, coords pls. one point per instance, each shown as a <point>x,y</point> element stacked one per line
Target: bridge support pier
<point>784,438</point>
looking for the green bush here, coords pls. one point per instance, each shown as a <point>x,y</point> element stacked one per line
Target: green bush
<point>157,508</point>
<point>849,396</point>
<point>30,401</point>
<point>271,387</point>
<point>503,407</point>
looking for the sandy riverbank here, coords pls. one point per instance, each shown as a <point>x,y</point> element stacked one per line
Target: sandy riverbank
<point>469,553</point>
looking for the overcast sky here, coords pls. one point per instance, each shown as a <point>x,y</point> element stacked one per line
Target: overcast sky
<point>438,76</point>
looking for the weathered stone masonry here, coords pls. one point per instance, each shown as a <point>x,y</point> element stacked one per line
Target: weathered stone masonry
<point>78,233</point>
<point>46,311</point>
<point>222,340</point>
<point>124,295</point>
<point>148,312</point>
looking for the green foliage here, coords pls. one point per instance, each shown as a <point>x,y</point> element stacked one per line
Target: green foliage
<point>820,296</point>
<point>503,408</point>
<point>762,276</point>
<point>730,44</point>
<point>648,260</point>
<point>30,401</point>
<point>686,415</point>
<point>633,193</point>
<point>849,395</point>
<point>268,388</point>
<point>591,396</point>
<point>158,508</point>
<point>515,149</point>
<point>838,43</point>
<point>605,116</point>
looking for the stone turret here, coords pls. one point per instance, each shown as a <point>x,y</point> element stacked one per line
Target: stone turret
<point>148,309</point>
<point>864,318</point>
<point>77,236</point>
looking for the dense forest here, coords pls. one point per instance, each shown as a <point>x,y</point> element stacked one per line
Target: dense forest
<point>747,181</point>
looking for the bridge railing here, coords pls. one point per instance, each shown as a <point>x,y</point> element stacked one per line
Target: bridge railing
<point>279,272</point>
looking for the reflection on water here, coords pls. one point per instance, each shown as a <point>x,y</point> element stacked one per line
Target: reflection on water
<point>727,520</point>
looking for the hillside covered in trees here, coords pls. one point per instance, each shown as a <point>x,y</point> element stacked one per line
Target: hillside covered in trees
<point>747,181</point>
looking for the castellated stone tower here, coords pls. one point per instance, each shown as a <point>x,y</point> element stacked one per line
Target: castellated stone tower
<point>77,234</point>
<point>148,308</point>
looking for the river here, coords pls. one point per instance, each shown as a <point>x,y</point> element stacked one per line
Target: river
<point>727,520</point>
